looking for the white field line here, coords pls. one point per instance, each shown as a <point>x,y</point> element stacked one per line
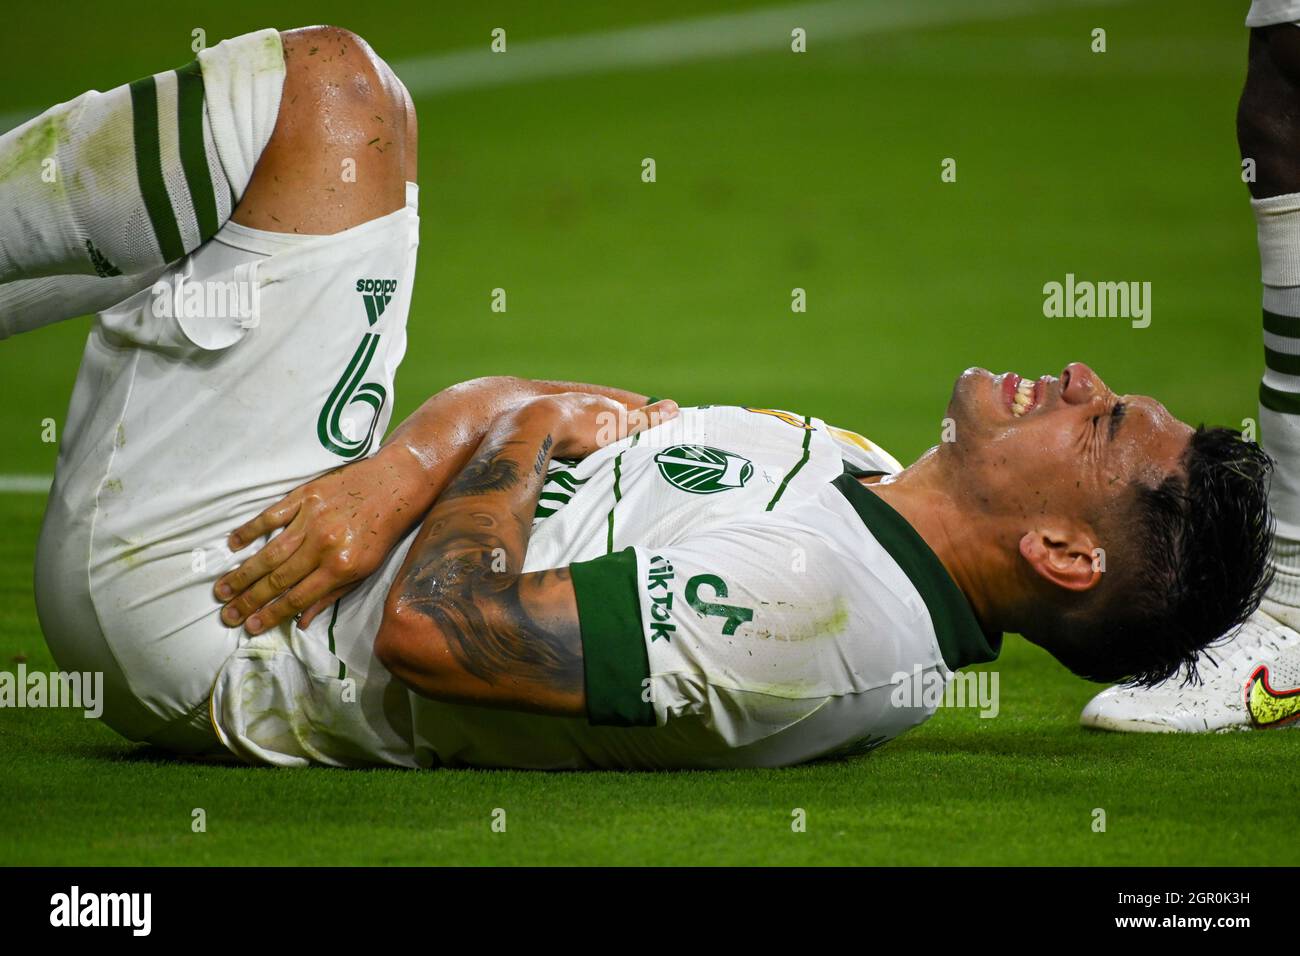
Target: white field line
<point>25,484</point>
<point>680,41</point>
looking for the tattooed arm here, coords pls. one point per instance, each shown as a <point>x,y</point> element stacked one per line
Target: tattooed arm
<point>461,622</point>
<point>340,527</point>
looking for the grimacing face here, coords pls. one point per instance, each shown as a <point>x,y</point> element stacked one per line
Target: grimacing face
<point>1064,447</point>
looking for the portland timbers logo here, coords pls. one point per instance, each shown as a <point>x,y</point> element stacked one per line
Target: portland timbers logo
<point>702,470</point>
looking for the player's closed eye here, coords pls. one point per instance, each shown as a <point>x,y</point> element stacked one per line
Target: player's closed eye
<point>1116,416</point>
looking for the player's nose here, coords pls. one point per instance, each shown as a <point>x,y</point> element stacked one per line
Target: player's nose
<point>1079,383</point>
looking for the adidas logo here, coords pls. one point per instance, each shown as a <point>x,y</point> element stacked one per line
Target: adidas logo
<point>103,268</point>
<point>376,294</point>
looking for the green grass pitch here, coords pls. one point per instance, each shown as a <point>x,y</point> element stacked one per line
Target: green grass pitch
<point>775,171</point>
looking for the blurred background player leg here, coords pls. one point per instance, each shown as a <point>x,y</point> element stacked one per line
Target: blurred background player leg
<point>101,193</point>
<point>1252,679</point>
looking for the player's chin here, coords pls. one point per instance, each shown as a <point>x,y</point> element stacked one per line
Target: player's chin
<point>972,396</point>
<point>971,383</point>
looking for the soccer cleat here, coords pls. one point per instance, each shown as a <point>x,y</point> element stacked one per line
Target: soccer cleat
<point>1251,681</point>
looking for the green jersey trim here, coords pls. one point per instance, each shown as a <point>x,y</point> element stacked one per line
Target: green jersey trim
<point>615,661</point>
<point>618,494</point>
<point>807,441</point>
<point>961,640</point>
<point>334,616</point>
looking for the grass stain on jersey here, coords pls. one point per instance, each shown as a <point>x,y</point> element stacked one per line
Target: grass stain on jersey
<point>828,626</point>
<point>35,146</point>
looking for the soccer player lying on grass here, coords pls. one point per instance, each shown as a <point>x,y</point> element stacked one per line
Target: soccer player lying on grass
<point>525,574</point>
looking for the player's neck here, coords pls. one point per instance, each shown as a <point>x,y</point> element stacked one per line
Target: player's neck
<point>921,495</point>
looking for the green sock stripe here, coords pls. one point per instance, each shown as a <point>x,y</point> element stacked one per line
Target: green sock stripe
<point>194,156</point>
<point>148,169</point>
<point>1281,362</point>
<point>1284,325</point>
<point>1285,402</point>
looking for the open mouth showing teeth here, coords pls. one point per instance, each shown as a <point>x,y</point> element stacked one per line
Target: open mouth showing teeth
<point>1023,396</point>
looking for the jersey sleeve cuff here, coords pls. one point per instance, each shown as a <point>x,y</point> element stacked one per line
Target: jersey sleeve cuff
<point>615,660</point>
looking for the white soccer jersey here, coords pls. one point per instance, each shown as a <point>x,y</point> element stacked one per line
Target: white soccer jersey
<point>743,600</point>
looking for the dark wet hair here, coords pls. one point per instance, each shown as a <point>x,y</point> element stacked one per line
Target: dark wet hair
<point>1195,565</point>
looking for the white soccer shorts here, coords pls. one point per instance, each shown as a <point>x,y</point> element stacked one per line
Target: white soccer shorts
<point>257,363</point>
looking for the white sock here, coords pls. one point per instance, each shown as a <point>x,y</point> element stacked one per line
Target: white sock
<point>1278,220</point>
<point>125,182</point>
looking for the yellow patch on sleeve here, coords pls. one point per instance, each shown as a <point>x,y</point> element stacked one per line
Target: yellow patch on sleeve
<point>787,417</point>
<point>851,438</point>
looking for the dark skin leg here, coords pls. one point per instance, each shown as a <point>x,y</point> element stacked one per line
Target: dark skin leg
<point>1268,115</point>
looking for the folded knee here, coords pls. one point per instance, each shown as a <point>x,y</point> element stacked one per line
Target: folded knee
<point>340,153</point>
<point>338,66</point>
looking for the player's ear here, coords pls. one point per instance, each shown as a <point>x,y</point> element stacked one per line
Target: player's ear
<point>1063,554</point>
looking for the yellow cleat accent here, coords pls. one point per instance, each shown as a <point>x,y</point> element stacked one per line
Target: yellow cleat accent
<point>1268,707</point>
